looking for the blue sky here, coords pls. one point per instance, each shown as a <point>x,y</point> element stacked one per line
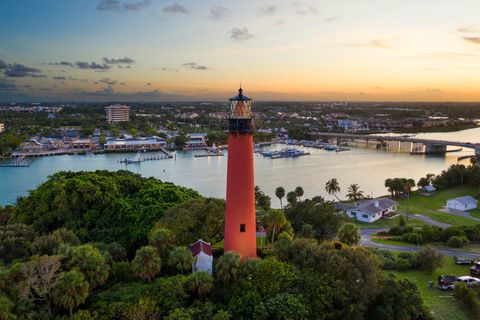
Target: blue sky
<point>200,50</point>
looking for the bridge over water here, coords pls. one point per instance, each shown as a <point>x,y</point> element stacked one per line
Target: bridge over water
<point>402,143</point>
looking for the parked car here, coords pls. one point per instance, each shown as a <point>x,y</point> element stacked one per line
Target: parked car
<point>475,270</point>
<point>470,281</point>
<point>446,282</point>
<point>463,260</point>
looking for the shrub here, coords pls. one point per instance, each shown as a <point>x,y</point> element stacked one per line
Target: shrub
<point>468,299</point>
<point>402,264</point>
<point>457,242</point>
<point>452,231</point>
<point>412,237</point>
<point>429,259</point>
<point>411,257</point>
<point>431,233</point>
<point>396,231</point>
<point>386,257</point>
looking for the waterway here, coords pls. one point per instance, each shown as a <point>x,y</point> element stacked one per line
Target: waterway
<point>367,167</point>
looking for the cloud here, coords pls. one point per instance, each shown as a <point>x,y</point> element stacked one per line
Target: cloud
<point>108,81</point>
<point>381,43</point>
<point>20,70</point>
<point>218,12</point>
<point>240,34</point>
<point>268,10</point>
<point>125,60</point>
<point>110,94</point>
<point>61,63</point>
<point>330,19</point>
<point>6,85</point>
<point>3,65</point>
<point>468,29</point>
<point>195,66</point>
<point>175,9</point>
<point>92,65</point>
<point>376,43</point>
<point>59,78</point>
<point>305,11</point>
<point>116,5</point>
<point>169,69</point>
<point>475,40</point>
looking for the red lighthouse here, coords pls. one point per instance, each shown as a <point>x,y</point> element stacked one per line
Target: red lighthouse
<point>240,228</point>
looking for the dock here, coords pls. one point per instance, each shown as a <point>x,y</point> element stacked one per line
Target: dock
<point>17,162</point>
<point>143,159</point>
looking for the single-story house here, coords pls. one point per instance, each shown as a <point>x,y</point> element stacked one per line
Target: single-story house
<point>428,188</point>
<point>462,203</point>
<point>202,256</point>
<point>368,210</point>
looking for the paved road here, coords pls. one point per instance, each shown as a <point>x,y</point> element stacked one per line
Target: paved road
<point>459,213</point>
<point>429,220</point>
<point>367,242</point>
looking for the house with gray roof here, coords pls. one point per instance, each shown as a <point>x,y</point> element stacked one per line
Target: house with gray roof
<point>368,210</point>
<point>462,203</point>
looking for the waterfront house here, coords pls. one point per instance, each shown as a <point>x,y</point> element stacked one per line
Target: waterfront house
<point>152,143</point>
<point>196,141</point>
<point>202,256</point>
<point>368,210</point>
<point>462,203</point>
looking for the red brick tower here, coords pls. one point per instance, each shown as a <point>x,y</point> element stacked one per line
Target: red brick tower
<point>240,227</point>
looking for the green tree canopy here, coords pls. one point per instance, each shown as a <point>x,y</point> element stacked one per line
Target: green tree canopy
<point>195,219</point>
<point>100,206</point>
<point>349,234</point>
<point>318,214</point>
<point>147,263</point>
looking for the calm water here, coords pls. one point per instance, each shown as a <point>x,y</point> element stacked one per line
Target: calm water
<point>367,167</point>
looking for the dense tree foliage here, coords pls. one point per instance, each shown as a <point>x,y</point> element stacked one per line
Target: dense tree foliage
<point>349,234</point>
<point>100,206</point>
<point>315,218</point>
<point>195,219</point>
<point>47,272</point>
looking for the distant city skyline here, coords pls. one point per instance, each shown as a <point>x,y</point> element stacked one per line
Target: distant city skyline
<point>156,50</point>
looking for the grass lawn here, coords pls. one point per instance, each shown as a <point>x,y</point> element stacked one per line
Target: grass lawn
<point>392,242</point>
<point>429,205</point>
<point>441,303</point>
<point>387,223</point>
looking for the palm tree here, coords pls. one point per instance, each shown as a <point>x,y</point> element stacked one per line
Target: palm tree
<point>275,220</point>
<point>354,192</point>
<point>292,198</point>
<point>71,290</point>
<point>180,258</point>
<point>280,193</point>
<point>146,264</point>
<point>408,185</point>
<point>333,187</point>
<point>228,267</point>
<point>162,239</point>
<point>199,283</point>
<point>389,185</point>
<point>299,192</point>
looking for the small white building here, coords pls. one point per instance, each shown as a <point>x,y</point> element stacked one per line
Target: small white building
<point>368,210</point>
<point>462,203</point>
<point>428,188</point>
<point>202,256</point>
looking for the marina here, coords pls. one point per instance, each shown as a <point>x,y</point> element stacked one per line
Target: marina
<point>205,174</point>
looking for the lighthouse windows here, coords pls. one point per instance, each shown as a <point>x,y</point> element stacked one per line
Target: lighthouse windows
<point>242,227</point>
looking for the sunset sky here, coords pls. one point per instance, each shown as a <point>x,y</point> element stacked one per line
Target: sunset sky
<point>157,50</point>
